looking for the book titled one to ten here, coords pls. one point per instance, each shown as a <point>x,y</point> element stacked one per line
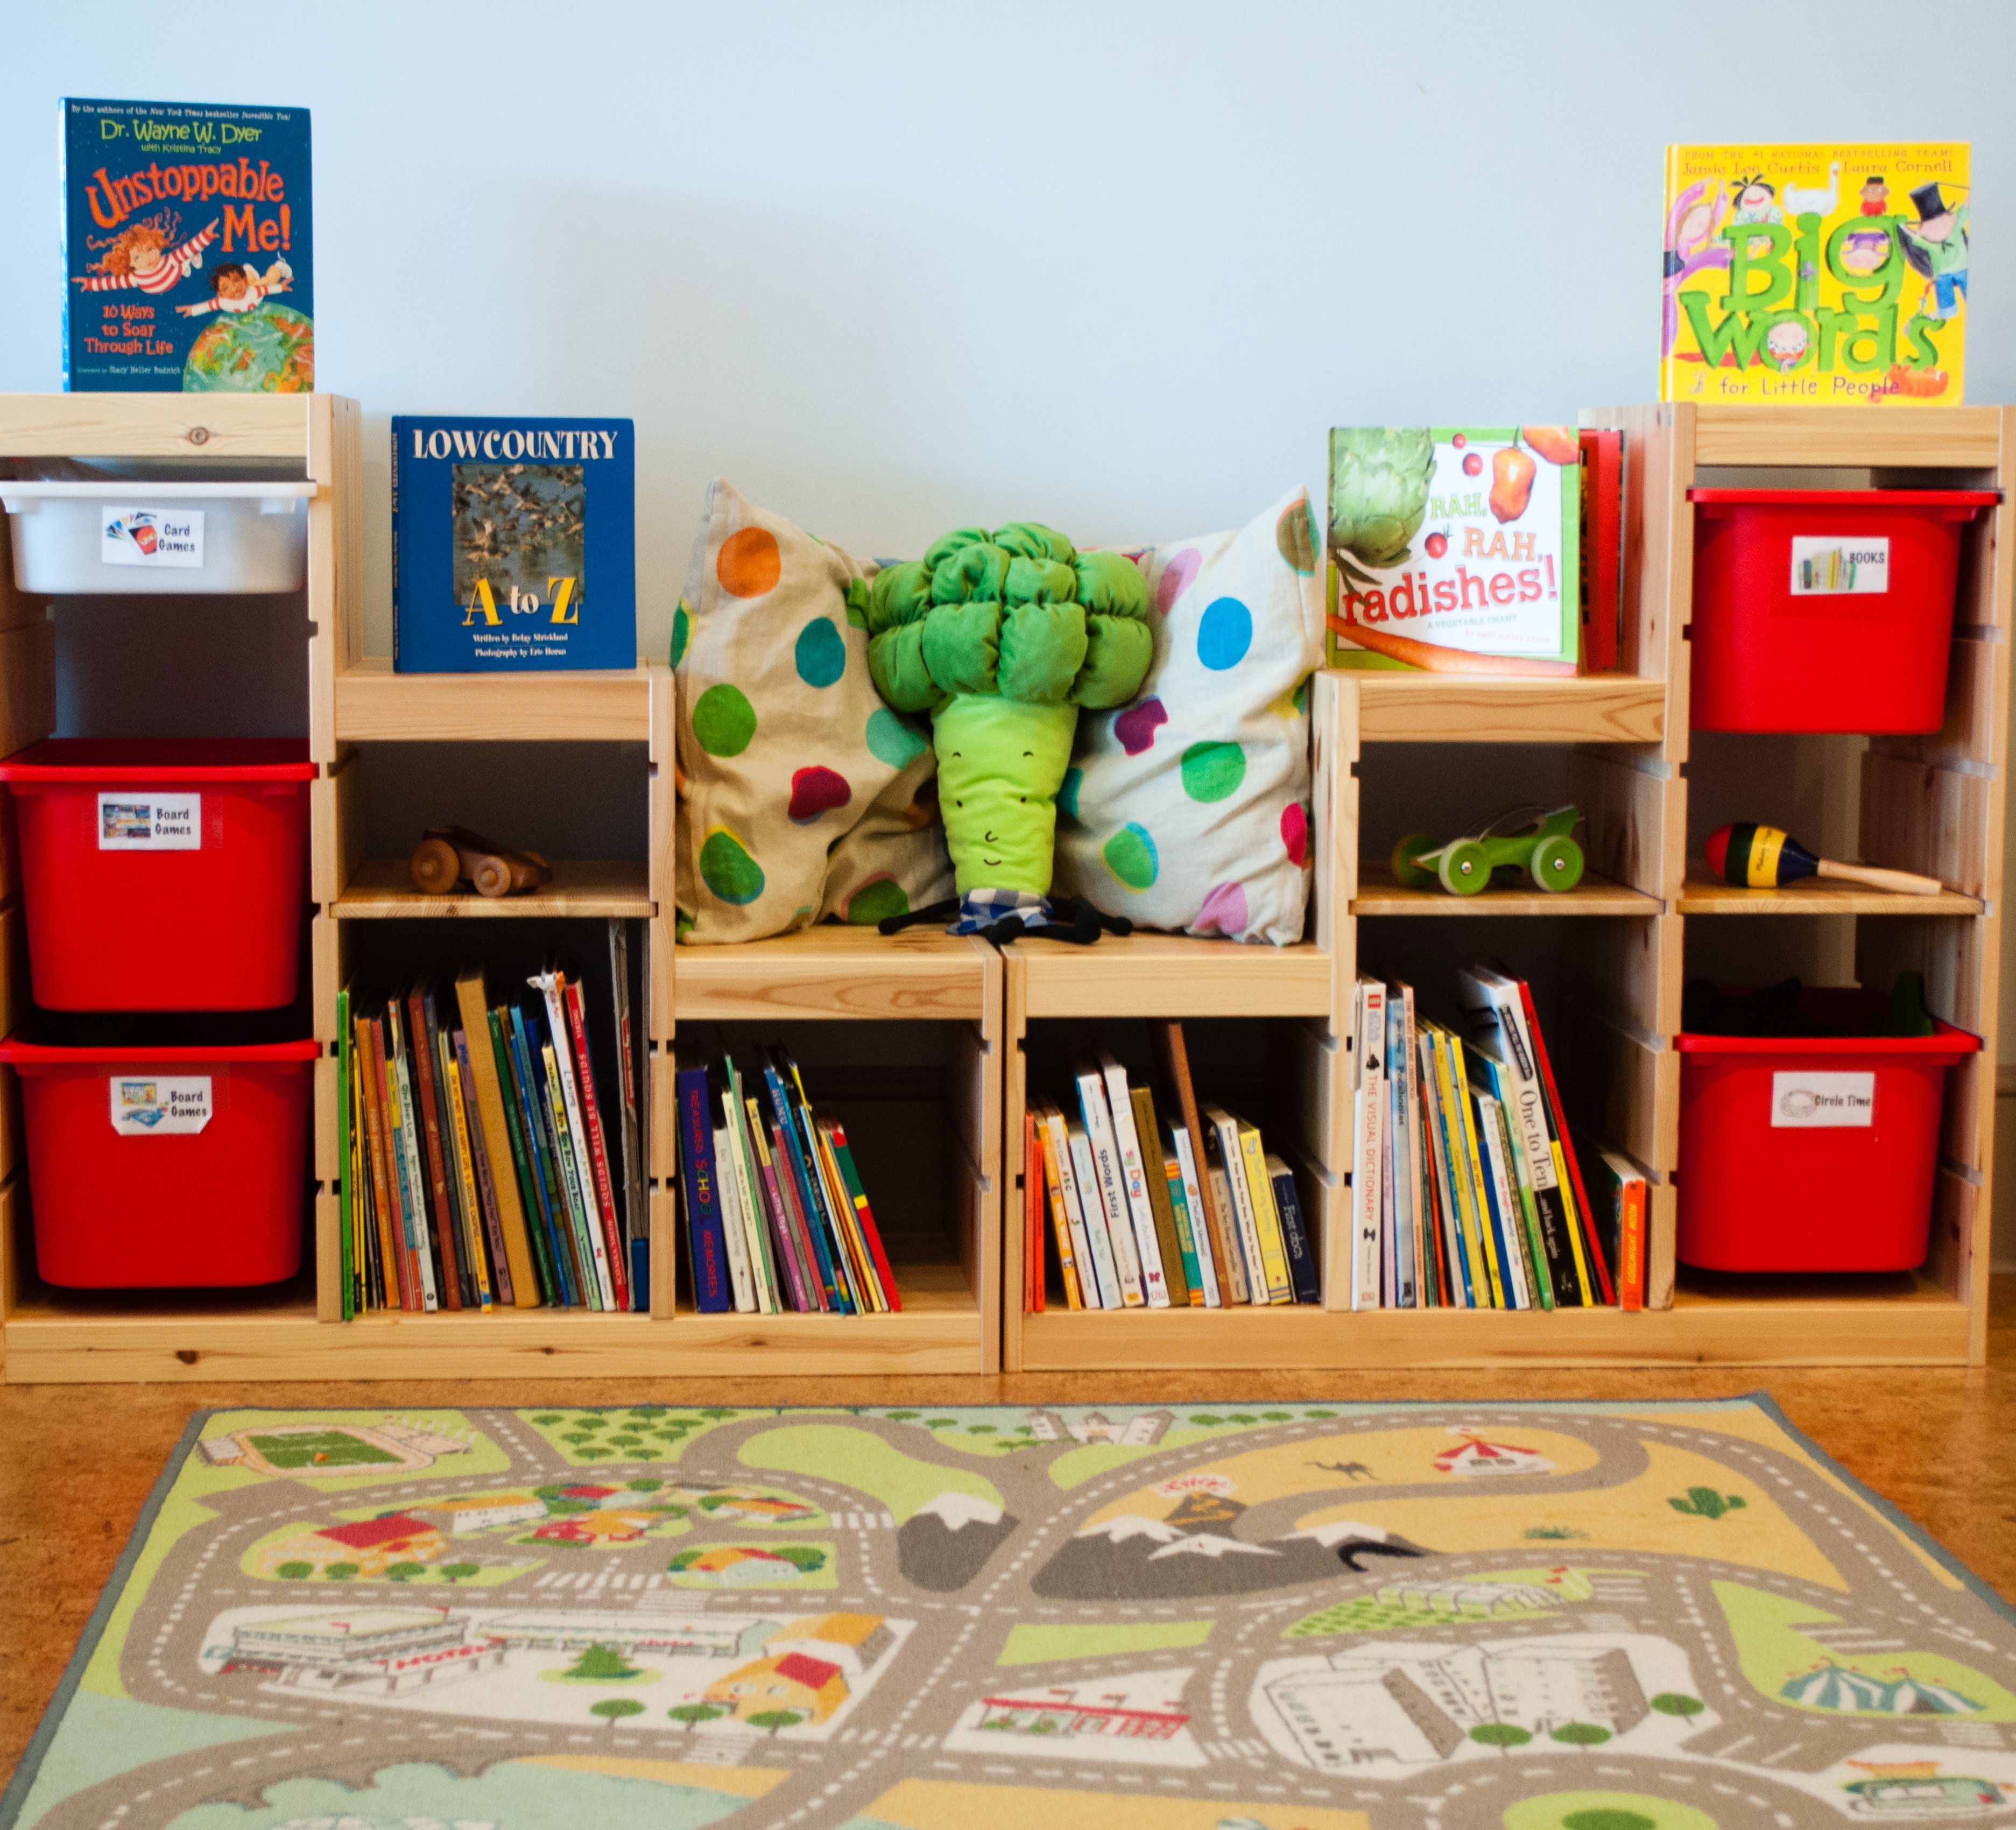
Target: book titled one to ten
<point>514,545</point>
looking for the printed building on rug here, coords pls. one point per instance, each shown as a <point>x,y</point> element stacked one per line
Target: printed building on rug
<point>367,1547</point>
<point>388,1651</point>
<point>809,1688</point>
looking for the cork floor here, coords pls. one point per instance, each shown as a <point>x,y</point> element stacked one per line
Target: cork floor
<point>77,1461</point>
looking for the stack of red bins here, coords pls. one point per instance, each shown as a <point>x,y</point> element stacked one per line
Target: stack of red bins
<point>1818,610</point>
<point>161,877</point>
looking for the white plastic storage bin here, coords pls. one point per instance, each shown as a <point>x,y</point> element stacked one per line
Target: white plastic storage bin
<point>122,539</point>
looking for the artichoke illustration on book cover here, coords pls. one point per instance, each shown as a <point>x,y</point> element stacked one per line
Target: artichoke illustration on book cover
<point>1455,549</point>
<point>1816,275</point>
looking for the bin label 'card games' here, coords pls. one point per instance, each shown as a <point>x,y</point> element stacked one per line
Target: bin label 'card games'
<point>514,545</point>
<point>187,257</point>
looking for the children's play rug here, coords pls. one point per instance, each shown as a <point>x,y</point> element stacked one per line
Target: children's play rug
<point>1207,1617</point>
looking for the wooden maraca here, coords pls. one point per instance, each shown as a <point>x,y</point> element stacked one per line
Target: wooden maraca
<point>1756,857</point>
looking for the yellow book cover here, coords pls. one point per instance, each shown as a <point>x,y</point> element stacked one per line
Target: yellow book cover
<point>1273,1252</point>
<point>1574,1226</point>
<point>1463,1169</point>
<point>1816,275</point>
<point>1053,1182</point>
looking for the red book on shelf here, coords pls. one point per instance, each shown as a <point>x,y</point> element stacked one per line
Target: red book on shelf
<point>1558,1116</point>
<point>857,1192</point>
<point>442,1213</point>
<point>598,1149</point>
<point>1601,548</point>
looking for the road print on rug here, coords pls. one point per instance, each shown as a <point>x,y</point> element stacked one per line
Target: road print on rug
<point>1319,1616</point>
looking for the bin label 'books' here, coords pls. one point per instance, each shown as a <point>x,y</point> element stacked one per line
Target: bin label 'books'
<point>144,822</point>
<point>188,255</point>
<point>151,537</point>
<point>1825,565</point>
<point>514,545</point>
<point>163,1105</point>
<point>1816,275</point>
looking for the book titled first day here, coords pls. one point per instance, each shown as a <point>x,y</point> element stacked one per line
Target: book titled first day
<point>514,545</point>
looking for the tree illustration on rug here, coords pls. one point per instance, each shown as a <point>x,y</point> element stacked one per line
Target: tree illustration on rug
<point>1504,1736</point>
<point>1671,1702</point>
<point>602,1661</point>
<point>404,1571</point>
<point>1706,1502</point>
<point>775,1719</point>
<point>691,1715</point>
<point>1582,1735</point>
<point>294,1571</point>
<point>340,1572</point>
<point>460,1571</point>
<point>613,1709</point>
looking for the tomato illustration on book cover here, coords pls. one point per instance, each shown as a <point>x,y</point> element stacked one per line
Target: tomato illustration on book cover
<point>188,262</point>
<point>1816,275</point>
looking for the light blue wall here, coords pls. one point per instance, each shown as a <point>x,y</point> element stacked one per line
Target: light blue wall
<point>895,267</point>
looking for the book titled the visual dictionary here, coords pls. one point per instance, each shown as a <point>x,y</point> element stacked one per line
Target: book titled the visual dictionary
<point>514,545</point>
<point>188,249</point>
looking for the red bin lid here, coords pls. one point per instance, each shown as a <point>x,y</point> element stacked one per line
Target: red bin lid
<point>136,761</point>
<point>18,1053</point>
<point>1860,501</point>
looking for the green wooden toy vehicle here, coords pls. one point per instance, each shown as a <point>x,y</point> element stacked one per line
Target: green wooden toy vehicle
<point>1534,840</point>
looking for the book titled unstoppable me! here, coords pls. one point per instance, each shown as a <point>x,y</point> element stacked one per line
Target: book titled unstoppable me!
<point>514,545</point>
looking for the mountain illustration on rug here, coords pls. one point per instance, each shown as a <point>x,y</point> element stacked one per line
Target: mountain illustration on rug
<point>946,1542</point>
<point>1132,1558</point>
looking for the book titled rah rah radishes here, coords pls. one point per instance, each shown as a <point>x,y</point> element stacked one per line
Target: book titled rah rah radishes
<point>188,249</point>
<point>514,545</point>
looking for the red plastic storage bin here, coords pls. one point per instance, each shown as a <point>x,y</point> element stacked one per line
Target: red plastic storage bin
<point>1825,609</point>
<point>1812,1153</point>
<point>163,875</point>
<point>154,1167</point>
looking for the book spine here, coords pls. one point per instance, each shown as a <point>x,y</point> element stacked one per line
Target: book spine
<point>1463,1285</point>
<point>469,1248</point>
<point>1507,1232</point>
<point>1147,1147</point>
<point>1172,1055</point>
<point>1266,1222</point>
<point>734,1227</point>
<point>791,1153</point>
<point>1471,1167</point>
<point>1399,1162</point>
<point>803,1225</point>
<point>417,1183</point>
<point>1112,1195</point>
<point>1181,1142</point>
<point>635,1208</point>
<point>1084,1176</point>
<point>525,1250</point>
<point>345,1204</point>
<point>553,1215</point>
<point>443,1220</point>
<point>866,1288</point>
<point>1582,1225</point>
<point>864,1214</point>
<point>465,1159</point>
<point>1294,1232</point>
<point>707,1240</point>
<point>1231,1162</point>
<point>1532,1249</point>
<point>1061,1229</point>
<point>1132,1171</point>
<point>1631,1245</point>
<point>612,1278</point>
<point>1179,1217</point>
<point>798,1272</point>
<point>598,1145</point>
<point>748,1201</point>
<point>765,1222</point>
<point>1368,1112</point>
<point>1097,1286</point>
<point>589,1250</point>
<point>392,1226</point>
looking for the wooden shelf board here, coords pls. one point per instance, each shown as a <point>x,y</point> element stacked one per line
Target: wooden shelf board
<point>836,970</point>
<point>1882,438</point>
<point>381,887</point>
<point>1379,894</point>
<point>1706,894</point>
<point>1174,975</point>
<point>1755,1331</point>
<point>113,425</point>
<point>372,703</point>
<point>1405,707</point>
<point>65,1340</point>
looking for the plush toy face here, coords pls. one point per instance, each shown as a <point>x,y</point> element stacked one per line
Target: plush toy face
<point>1000,764</point>
<point>1001,637</point>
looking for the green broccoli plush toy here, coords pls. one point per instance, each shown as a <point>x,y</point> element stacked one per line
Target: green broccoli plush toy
<point>1001,637</point>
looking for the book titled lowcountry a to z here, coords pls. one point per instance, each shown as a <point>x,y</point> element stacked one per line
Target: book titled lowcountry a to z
<point>514,545</point>
<point>189,260</point>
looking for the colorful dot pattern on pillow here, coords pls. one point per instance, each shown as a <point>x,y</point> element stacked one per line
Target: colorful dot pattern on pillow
<point>1188,809</point>
<point>802,791</point>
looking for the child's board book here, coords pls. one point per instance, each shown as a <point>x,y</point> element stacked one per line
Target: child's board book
<point>1816,275</point>
<point>188,249</point>
<point>1455,548</point>
<point>514,544</point>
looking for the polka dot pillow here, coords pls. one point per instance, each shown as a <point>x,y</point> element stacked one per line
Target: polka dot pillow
<point>805,795</point>
<point>1188,809</point>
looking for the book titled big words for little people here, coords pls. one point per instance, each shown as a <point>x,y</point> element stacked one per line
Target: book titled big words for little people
<point>514,545</point>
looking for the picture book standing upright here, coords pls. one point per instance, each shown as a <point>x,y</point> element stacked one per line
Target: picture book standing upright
<point>1816,275</point>
<point>188,249</point>
<point>514,546</point>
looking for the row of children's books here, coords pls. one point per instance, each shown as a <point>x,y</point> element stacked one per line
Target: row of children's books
<point>485,1166</point>
<point>776,1216</point>
<point>1176,1206</point>
<point>1467,1186</point>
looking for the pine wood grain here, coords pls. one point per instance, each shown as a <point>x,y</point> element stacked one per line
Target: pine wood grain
<point>382,889</point>
<point>1707,894</point>
<point>372,702</point>
<point>1858,438</point>
<point>1379,894</point>
<point>1427,707</point>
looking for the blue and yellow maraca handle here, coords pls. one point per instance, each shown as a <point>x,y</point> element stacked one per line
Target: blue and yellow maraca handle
<point>1763,857</point>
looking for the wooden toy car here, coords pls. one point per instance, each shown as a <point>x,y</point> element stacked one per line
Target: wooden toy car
<point>1539,841</point>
